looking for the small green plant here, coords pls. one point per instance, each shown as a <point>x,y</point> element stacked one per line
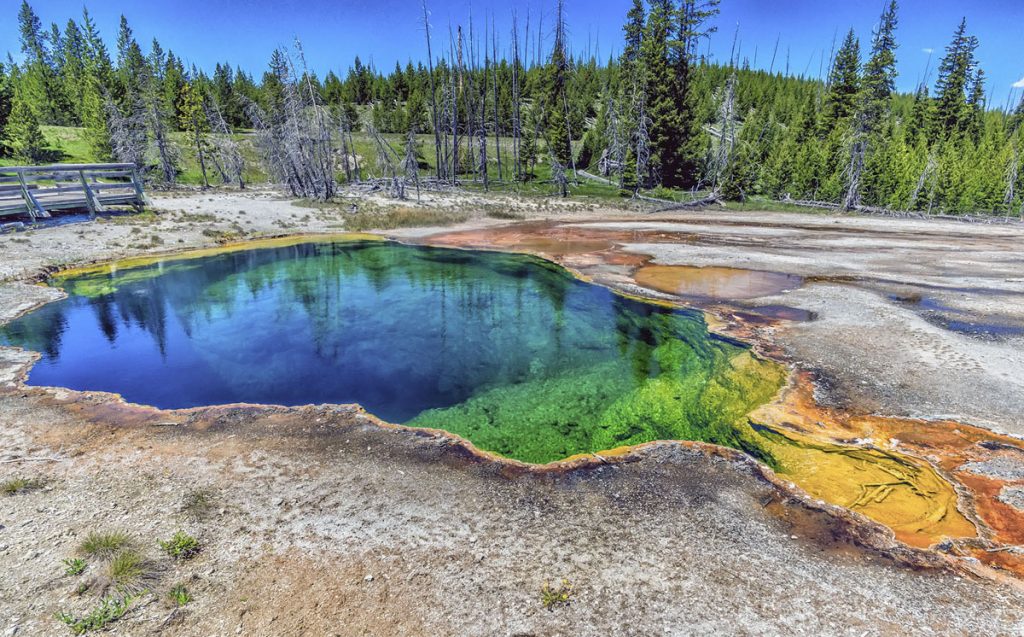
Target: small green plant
<point>181,546</point>
<point>20,485</point>
<point>74,566</point>
<point>81,589</point>
<point>198,503</point>
<point>551,597</point>
<point>104,545</point>
<point>128,570</point>
<point>179,595</point>
<point>109,610</point>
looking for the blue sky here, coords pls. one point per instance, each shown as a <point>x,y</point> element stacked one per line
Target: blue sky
<point>334,31</point>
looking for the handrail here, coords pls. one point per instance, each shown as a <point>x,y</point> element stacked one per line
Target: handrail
<point>66,167</point>
<point>70,186</point>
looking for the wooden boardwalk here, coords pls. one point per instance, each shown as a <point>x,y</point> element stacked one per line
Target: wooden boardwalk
<point>36,191</point>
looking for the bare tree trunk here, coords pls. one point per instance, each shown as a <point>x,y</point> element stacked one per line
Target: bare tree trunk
<point>497,117</point>
<point>127,132</point>
<point>455,90</point>
<point>558,176</point>
<point>1012,175</point>
<point>727,127</point>
<point>642,141</point>
<point>198,140</point>
<point>922,181</point>
<point>161,143</point>
<point>226,155</point>
<point>410,164</point>
<point>386,160</point>
<point>433,94</point>
<point>854,172</point>
<point>516,111</point>
<point>296,142</point>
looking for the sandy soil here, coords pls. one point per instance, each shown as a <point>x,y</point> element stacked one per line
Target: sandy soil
<point>325,523</point>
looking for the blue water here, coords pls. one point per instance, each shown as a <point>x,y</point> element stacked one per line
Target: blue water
<point>509,350</point>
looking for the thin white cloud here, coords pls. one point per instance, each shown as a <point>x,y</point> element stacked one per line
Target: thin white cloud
<point>928,51</point>
<point>1019,83</point>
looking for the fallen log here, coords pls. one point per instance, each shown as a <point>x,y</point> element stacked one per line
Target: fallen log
<point>709,200</point>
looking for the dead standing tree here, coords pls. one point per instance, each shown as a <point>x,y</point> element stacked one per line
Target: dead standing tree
<point>348,149</point>
<point>410,163</point>
<point>295,139</point>
<point>1012,177</point>
<point>387,161</point>
<point>127,132</point>
<point>433,95</point>
<point>727,131</point>
<point>156,119</point>
<point>517,120</point>
<point>613,158</point>
<point>226,156</point>
<point>642,142</point>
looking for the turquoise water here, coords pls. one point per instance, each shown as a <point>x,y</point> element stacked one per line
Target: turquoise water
<point>509,351</point>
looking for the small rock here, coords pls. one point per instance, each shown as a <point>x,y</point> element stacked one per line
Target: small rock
<point>1012,496</point>
<point>368,578</point>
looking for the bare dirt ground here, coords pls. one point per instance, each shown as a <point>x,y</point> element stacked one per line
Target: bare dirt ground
<point>322,522</point>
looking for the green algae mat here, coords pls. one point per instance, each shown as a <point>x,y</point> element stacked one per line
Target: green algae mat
<point>509,351</point>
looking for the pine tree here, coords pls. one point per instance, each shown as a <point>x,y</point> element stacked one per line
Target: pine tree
<point>72,62</point>
<point>172,87</point>
<point>660,95</point>
<point>874,101</point>
<point>22,136</point>
<point>843,87</point>
<point>951,113</point>
<point>38,84</point>
<point>193,121</point>
<point>692,17</point>
<point>631,85</point>
<point>880,72</point>
<point>6,102</point>
<point>556,118</point>
<point>96,87</point>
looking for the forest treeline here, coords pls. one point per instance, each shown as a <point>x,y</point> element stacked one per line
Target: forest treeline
<point>519,106</point>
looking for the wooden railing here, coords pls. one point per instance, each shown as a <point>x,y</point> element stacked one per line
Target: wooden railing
<point>36,191</point>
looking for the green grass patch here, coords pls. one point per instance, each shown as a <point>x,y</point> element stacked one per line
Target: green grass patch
<point>128,571</point>
<point>110,610</point>
<point>74,566</point>
<point>104,545</point>
<point>179,595</point>
<point>20,484</point>
<point>554,596</point>
<point>764,204</point>
<point>181,546</point>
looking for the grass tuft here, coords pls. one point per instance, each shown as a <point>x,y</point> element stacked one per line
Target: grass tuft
<point>199,503</point>
<point>20,484</point>
<point>128,570</point>
<point>104,545</point>
<point>179,595</point>
<point>181,546</point>
<point>552,597</point>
